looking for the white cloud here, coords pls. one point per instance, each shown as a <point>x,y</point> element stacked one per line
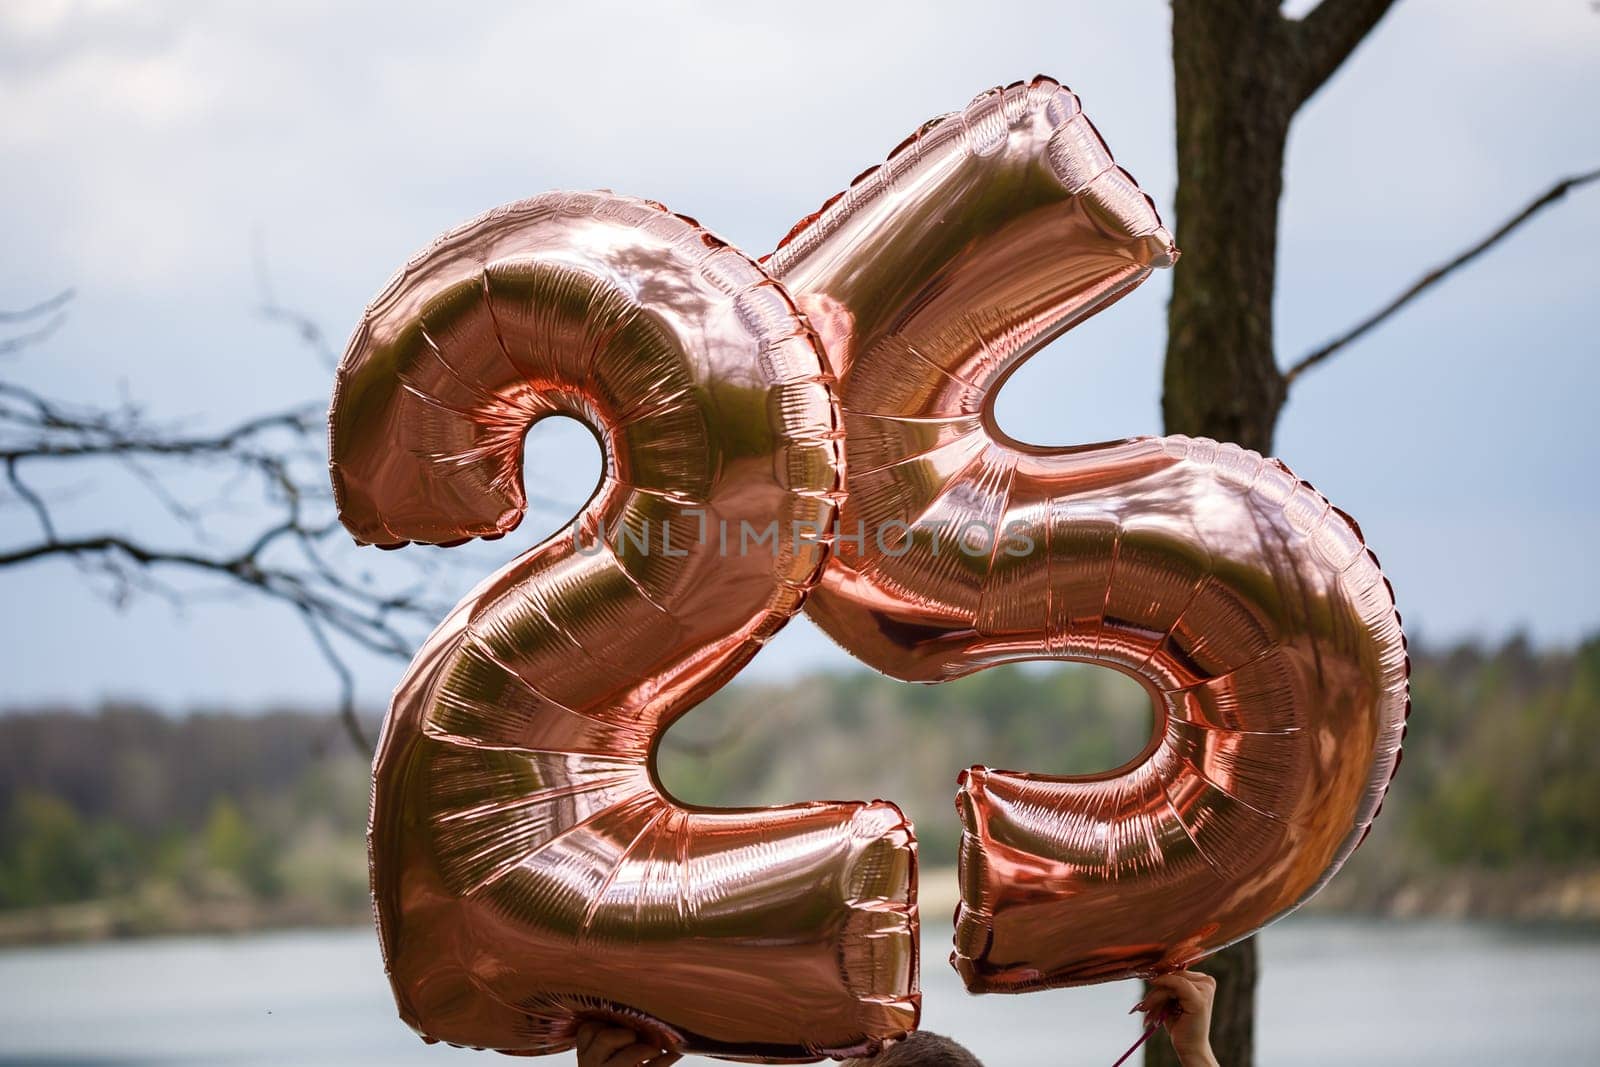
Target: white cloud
<point>145,143</point>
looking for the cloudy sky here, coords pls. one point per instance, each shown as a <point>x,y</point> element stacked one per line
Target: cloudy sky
<point>151,154</point>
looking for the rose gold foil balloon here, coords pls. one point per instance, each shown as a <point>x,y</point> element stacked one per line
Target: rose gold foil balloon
<point>1247,605</point>
<point>528,870</point>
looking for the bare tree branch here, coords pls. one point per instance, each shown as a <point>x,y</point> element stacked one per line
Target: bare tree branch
<point>1438,274</point>
<point>307,329</point>
<point>17,342</point>
<point>288,549</point>
<point>32,499</point>
<point>347,681</point>
<point>43,307</point>
<point>53,308</point>
<point>1325,38</point>
<point>104,437</point>
<point>366,619</point>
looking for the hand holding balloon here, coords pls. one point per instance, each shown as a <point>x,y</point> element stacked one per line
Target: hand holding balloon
<point>617,1046</point>
<point>1182,1003</point>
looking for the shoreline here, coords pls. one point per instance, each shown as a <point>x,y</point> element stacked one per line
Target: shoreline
<point>1570,899</point>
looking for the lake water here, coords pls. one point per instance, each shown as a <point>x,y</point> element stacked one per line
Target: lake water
<point>1333,992</point>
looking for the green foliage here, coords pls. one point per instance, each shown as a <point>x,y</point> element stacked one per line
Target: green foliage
<point>48,855</point>
<point>237,846</point>
<point>169,815</point>
<point>860,735</point>
<point>1500,768</point>
<point>174,814</point>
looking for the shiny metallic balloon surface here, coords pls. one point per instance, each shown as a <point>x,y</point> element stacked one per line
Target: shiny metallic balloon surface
<point>528,871</point>
<point>1248,606</point>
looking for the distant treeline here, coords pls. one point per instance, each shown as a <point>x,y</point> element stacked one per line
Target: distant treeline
<point>181,822</point>
<point>170,821</point>
<point>1501,766</point>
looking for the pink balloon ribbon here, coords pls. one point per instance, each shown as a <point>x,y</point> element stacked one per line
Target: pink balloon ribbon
<point>1157,1021</point>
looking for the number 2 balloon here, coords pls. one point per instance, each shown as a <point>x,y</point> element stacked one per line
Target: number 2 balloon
<point>528,870</point>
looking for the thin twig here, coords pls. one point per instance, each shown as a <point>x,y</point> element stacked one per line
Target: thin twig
<point>1437,275</point>
<point>364,620</point>
<point>287,556</point>
<point>110,439</point>
<point>18,342</point>
<point>43,307</point>
<point>347,682</point>
<point>305,327</point>
<point>32,499</point>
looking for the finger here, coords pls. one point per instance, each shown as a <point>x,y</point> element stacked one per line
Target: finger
<point>609,1041</point>
<point>1197,979</point>
<point>634,1054</point>
<point>1154,997</point>
<point>1199,990</point>
<point>1184,987</point>
<point>585,1036</point>
<point>1159,991</point>
<point>666,1059</point>
<point>1157,1009</point>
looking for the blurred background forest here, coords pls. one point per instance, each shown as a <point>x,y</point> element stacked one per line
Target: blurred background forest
<point>122,820</point>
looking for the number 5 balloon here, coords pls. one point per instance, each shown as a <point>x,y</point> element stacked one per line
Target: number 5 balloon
<point>527,869</point>
<point>1247,605</point>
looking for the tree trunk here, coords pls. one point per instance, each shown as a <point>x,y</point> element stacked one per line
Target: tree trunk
<point>1235,96</point>
<point>1240,72</point>
<point>1222,377</point>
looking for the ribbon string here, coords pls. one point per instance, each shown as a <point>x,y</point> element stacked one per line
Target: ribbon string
<point>1157,1020</point>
